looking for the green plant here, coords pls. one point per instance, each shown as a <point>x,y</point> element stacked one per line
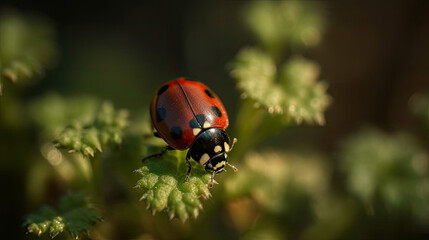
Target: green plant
<point>87,153</point>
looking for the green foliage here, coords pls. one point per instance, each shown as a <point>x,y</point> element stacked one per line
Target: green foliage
<point>75,216</point>
<point>164,187</point>
<point>276,194</point>
<point>387,171</point>
<point>279,23</point>
<point>106,127</point>
<point>292,92</point>
<point>27,46</point>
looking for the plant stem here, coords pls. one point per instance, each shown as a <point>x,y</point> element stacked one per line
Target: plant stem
<point>248,119</point>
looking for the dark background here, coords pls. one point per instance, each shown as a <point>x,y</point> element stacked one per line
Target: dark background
<point>374,56</point>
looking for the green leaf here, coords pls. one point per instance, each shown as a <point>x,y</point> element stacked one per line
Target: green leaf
<point>164,188</point>
<point>75,216</point>
<point>293,93</point>
<point>387,171</point>
<point>27,46</point>
<point>44,220</point>
<point>80,220</point>
<point>306,99</point>
<point>106,127</point>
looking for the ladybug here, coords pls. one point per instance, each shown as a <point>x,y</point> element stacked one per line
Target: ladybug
<point>188,115</point>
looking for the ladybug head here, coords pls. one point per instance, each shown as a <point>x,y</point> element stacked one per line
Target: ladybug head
<point>217,165</point>
<point>210,149</point>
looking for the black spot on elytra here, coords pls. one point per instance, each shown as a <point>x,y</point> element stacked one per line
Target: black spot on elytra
<point>176,132</point>
<point>209,93</point>
<point>198,121</point>
<point>161,113</point>
<point>216,111</point>
<point>162,89</point>
<point>193,123</point>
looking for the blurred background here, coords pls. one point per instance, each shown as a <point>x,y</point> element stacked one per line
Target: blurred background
<point>361,175</point>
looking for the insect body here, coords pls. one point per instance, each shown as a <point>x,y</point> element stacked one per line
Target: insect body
<point>188,115</point>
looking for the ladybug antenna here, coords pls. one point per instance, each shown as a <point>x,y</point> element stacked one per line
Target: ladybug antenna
<point>233,167</point>
<point>211,180</point>
<point>232,145</point>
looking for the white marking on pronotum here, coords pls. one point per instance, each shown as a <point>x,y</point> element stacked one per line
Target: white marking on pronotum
<point>204,158</point>
<point>195,131</point>
<point>206,124</point>
<point>226,146</point>
<point>217,149</point>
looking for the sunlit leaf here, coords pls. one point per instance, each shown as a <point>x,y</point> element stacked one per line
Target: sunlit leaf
<point>164,188</point>
<point>293,92</point>
<point>106,127</point>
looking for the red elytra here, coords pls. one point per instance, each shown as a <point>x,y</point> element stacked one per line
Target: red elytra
<point>181,109</point>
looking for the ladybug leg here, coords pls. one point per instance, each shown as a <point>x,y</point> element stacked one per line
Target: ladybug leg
<point>188,174</point>
<point>156,134</point>
<point>210,185</point>
<point>164,150</point>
